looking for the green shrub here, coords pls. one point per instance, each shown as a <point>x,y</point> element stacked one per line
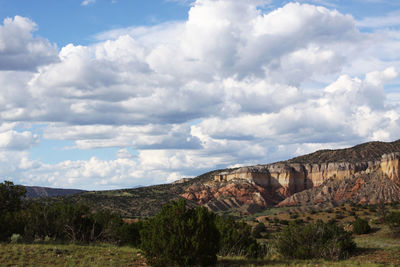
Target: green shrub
<point>180,236</point>
<point>299,221</point>
<point>257,230</point>
<point>284,222</point>
<point>319,240</point>
<point>393,220</point>
<point>361,226</point>
<point>236,239</point>
<point>372,208</point>
<point>129,233</point>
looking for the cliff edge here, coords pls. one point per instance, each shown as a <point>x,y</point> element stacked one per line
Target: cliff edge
<point>366,173</point>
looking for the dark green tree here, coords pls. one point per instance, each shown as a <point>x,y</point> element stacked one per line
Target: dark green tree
<point>66,221</point>
<point>180,236</point>
<point>129,233</point>
<point>10,205</point>
<point>11,196</point>
<point>319,240</point>
<point>237,240</point>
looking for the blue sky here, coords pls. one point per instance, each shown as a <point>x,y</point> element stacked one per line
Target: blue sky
<point>118,93</point>
<point>68,21</point>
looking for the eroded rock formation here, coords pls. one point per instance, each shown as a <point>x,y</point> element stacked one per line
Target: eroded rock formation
<point>295,183</point>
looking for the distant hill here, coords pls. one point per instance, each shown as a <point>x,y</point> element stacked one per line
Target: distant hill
<point>367,173</point>
<point>40,192</point>
<point>142,201</point>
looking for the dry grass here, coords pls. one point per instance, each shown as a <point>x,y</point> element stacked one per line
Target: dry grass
<point>68,255</point>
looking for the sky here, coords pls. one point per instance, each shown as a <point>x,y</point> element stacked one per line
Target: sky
<point>108,94</point>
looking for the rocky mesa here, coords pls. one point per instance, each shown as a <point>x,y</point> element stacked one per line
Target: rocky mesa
<point>366,173</point>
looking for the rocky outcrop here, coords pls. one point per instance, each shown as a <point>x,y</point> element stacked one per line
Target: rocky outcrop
<point>290,178</point>
<point>379,182</point>
<point>363,188</point>
<point>390,166</point>
<point>233,194</point>
<point>296,177</point>
<point>297,183</point>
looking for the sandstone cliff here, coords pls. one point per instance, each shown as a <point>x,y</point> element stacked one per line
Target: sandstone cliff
<point>361,174</point>
<point>378,183</point>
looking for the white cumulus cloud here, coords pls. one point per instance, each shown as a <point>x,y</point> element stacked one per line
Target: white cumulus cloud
<point>232,84</point>
<point>19,49</point>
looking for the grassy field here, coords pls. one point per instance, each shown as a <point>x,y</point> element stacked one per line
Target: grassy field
<point>68,255</point>
<point>375,249</point>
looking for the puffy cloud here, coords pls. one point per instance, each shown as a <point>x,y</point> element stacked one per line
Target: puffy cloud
<point>11,139</point>
<point>19,49</point>
<point>233,84</point>
<point>228,57</point>
<point>93,173</point>
<point>347,108</point>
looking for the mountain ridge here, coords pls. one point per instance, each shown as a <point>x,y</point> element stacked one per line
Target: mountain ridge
<point>368,151</point>
<point>41,191</point>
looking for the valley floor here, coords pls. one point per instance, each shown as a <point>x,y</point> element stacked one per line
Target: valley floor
<point>377,248</point>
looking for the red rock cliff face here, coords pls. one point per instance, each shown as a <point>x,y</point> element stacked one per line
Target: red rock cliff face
<point>295,177</point>
<point>378,182</point>
<point>268,185</point>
